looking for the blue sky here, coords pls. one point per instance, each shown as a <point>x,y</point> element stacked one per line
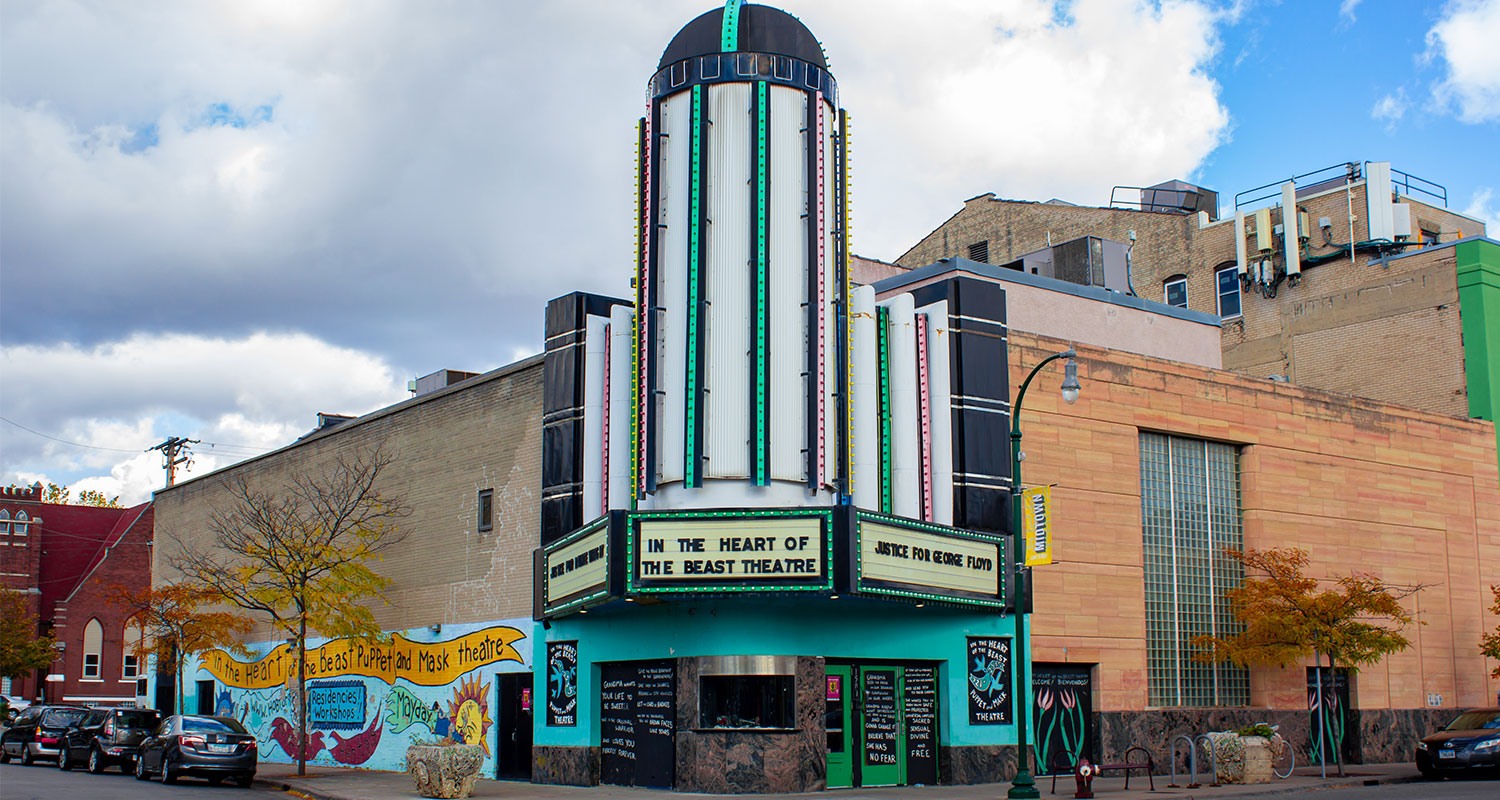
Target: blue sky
<point>218,219</point>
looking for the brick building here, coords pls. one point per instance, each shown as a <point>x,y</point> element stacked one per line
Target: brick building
<point>68,559</point>
<point>1363,320</point>
<point>467,461</point>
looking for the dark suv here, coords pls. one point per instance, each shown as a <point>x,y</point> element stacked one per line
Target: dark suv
<point>35,734</point>
<point>106,737</point>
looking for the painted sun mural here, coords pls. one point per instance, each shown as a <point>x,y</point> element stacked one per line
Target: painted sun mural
<point>470,712</point>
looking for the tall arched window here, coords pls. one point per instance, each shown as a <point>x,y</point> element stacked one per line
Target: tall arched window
<point>21,520</point>
<point>131,664</point>
<point>4,522</point>
<point>93,645</point>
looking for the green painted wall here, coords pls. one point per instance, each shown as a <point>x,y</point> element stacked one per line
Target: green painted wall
<point>841,629</point>
<point>1478,266</point>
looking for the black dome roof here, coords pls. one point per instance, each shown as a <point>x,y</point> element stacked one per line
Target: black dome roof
<point>762,29</point>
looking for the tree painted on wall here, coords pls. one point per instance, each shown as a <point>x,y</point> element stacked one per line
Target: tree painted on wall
<point>1288,616</point>
<point>299,555</point>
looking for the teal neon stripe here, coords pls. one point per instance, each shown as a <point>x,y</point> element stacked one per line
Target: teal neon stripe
<point>730,39</point>
<point>695,291</point>
<point>883,347</point>
<point>762,289</point>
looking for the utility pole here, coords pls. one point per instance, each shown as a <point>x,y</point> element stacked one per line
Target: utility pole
<point>175,450</point>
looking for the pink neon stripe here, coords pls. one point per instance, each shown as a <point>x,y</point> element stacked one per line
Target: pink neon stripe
<point>817,385</point>
<point>924,413</point>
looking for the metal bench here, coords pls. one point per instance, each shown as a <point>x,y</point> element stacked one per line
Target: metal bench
<point>1135,758</point>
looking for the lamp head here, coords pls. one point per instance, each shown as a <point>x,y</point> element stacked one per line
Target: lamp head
<point>1070,386</point>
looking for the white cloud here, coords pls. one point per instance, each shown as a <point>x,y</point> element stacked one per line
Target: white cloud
<point>1013,98</point>
<point>1346,11</point>
<point>239,397</point>
<point>1485,207</point>
<point>1390,108</point>
<point>1466,39</point>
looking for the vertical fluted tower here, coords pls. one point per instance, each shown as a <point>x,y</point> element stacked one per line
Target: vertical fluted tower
<point>740,343</point>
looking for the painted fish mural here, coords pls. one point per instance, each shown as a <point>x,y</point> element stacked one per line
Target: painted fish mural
<point>358,748</point>
<point>286,735</point>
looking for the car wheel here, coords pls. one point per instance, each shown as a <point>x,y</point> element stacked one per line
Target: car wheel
<point>167,775</point>
<point>140,769</point>
<point>26,757</point>
<point>4,755</point>
<point>63,762</point>
<point>96,760</point>
<point>244,781</point>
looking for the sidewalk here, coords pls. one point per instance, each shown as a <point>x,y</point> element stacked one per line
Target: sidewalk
<point>325,783</point>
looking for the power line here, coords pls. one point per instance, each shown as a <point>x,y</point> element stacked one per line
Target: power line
<point>65,441</point>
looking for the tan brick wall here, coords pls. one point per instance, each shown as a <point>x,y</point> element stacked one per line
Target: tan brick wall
<point>1341,328</point>
<point>483,434</point>
<point>1410,496</point>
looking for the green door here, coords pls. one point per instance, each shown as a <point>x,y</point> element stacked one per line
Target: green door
<point>840,694</point>
<point>882,727</point>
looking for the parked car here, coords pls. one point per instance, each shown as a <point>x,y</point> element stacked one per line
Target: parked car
<point>107,737</point>
<point>11,706</point>
<point>207,747</point>
<point>36,732</point>
<point>1469,743</point>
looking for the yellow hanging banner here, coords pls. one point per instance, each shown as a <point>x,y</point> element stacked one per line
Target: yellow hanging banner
<point>1036,523</point>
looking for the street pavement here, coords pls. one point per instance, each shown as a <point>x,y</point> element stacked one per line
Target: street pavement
<point>325,783</point>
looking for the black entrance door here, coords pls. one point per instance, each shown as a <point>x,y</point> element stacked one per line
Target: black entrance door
<point>513,728</point>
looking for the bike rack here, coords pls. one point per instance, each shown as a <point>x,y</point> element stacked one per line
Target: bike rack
<point>1213,758</point>
<point>1192,753</point>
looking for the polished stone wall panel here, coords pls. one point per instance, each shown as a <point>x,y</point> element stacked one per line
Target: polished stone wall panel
<point>565,766</point>
<point>962,766</point>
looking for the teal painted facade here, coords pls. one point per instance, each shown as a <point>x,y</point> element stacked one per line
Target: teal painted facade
<point>843,629</point>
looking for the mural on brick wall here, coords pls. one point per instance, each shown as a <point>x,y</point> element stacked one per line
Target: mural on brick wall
<point>367,701</point>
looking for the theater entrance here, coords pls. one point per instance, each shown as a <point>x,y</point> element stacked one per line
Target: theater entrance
<point>881,724</point>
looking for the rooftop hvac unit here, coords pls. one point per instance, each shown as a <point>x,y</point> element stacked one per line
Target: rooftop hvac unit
<point>1180,197</point>
<point>1089,261</point>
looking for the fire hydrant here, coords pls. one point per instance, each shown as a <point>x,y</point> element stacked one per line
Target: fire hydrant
<point>1084,775</point>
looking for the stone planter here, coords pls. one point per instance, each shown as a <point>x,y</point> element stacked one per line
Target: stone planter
<point>1242,759</point>
<point>444,771</point>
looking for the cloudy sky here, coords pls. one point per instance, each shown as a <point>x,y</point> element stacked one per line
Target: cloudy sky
<point>220,218</point>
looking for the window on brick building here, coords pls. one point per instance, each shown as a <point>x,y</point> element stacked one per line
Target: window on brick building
<point>130,663</point>
<point>1227,279</point>
<point>93,646</point>
<point>1428,237</point>
<point>1174,291</point>
<point>486,509</point>
<point>21,525</point>
<point>1190,513</point>
<point>980,251</point>
<point>4,522</point>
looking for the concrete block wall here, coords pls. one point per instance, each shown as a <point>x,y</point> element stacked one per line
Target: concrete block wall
<point>1410,496</point>
<point>484,433</point>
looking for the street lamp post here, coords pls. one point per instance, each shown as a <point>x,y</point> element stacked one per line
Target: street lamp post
<point>1024,786</point>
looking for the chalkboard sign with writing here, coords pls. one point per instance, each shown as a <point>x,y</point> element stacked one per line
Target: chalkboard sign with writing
<point>881,735</point>
<point>921,725</point>
<point>637,710</point>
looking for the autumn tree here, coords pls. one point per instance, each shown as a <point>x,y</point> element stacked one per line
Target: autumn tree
<point>22,650</point>
<point>299,555</point>
<point>175,623</point>
<point>62,495</point>
<point>1489,643</point>
<point>1288,616</point>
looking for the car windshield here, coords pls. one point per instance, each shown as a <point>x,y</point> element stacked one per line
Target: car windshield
<point>62,717</point>
<point>212,724</point>
<point>137,719</point>
<point>1475,720</point>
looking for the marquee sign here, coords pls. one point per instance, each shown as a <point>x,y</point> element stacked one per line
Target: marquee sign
<point>727,551</point>
<point>575,570</point>
<point>928,562</point>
